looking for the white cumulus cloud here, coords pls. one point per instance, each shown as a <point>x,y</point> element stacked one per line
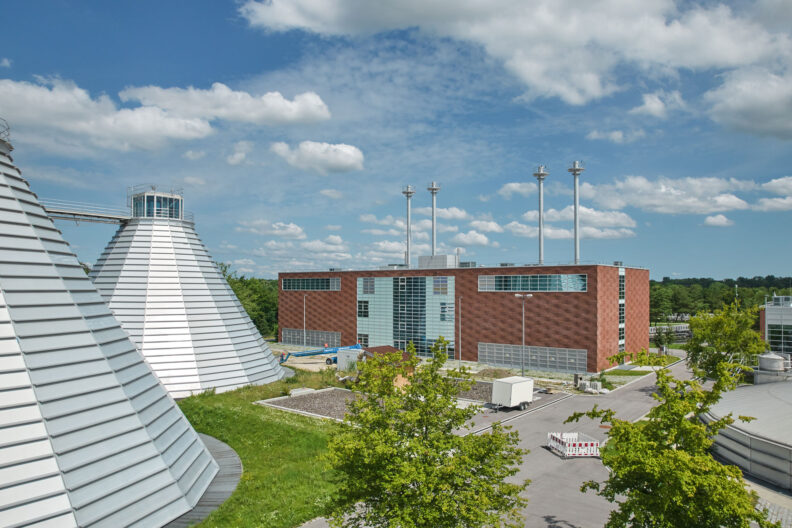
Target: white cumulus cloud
<point>473,238</point>
<point>779,186</point>
<point>320,157</point>
<point>332,193</point>
<point>66,113</point>
<point>486,226</point>
<point>774,204</point>
<point>617,136</point>
<point>588,216</point>
<point>5,62</point>
<point>718,220</point>
<point>754,100</point>
<point>241,150</point>
<point>659,103</point>
<point>194,155</point>
<point>521,188</point>
<point>703,195</point>
<point>446,213</point>
<point>557,48</point>
<point>221,102</point>
<point>279,229</point>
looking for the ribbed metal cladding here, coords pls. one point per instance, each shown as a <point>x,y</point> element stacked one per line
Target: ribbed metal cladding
<point>88,435</point>
<point>166,292</point>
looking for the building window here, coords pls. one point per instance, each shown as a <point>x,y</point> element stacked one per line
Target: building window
<point>443,311</point>
<point>363,308</point>
<point>368,285</point>
<point>621,314</point>
<point>621,334</point>
<point>363,340</point>
<point>621,287</point>
<point>440,286</point>
<point>312,284</point>
<point>533,283</point>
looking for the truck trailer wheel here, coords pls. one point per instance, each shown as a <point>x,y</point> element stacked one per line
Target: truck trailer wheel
<point>523,406</point>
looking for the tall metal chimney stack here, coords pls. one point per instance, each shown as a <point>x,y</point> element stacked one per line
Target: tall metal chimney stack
<point>576,169</point>
<point>540,175</point>
<point>408,192</point>
<point>433,188</point>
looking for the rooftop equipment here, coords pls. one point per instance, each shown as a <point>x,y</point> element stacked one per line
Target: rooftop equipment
<point>408,192</point>
<point>576,169</point>
<point>540,175</point>
<point>433,188</point>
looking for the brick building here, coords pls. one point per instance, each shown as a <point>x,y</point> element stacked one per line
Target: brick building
<point>578,315</point>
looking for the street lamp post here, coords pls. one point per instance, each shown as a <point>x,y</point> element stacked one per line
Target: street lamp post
<point>305,341</point>
<point>523,296</point>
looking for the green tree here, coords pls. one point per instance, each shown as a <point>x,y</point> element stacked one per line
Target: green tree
<point>259,298</point>
<point>402,462</point>
<point>664,336</point>
<point>725,336</point>
<point>661,472</point>
<point>659,303</point>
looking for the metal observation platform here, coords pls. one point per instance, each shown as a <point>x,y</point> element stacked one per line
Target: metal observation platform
<point>142,201</point>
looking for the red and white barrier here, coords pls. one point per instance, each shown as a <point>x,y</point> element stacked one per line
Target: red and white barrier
<point>573,445</point>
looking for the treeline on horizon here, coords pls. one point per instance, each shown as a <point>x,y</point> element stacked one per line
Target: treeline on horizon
<point>671,297</point>
<point>667,298</point>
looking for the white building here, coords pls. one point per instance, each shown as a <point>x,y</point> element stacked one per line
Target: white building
<point>88,434</point>
<point>168,294</point>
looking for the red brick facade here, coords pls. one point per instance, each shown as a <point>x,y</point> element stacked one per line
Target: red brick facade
<point>582,320</point>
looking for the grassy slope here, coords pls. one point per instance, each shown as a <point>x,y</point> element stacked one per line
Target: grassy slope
<point>284,483</point>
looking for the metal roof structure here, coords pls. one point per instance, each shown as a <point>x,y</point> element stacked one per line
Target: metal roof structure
<point>162,285</point>
<point>88,434</point>
<point>761,447</point>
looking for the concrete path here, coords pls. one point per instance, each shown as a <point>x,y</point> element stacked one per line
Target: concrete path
<point>221,487</point>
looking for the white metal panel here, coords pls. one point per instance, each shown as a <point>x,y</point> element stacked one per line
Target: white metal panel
<point>67,361</point>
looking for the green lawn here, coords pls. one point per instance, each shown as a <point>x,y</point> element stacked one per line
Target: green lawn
<point>622,373</point>
<point>284,484</point>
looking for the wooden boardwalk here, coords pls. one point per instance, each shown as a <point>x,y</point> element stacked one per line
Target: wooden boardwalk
<point>222,486</point>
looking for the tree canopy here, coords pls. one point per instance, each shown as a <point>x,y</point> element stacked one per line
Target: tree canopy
<point>661,472</point>
<point>725,336</point>
<point>403,461</point>
<point>259,298</point>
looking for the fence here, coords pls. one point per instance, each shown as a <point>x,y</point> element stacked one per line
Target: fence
<point>573,445</point>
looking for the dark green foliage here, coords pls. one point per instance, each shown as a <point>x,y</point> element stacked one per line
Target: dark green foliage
<point>259,297</point>
<point>400,463</point>
<point>693,295</point>
<point>662,474</point>
<point>284,484</point>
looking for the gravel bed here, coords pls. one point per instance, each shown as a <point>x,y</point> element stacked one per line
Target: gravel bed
<point>481,391</point>
<point>331,403</point>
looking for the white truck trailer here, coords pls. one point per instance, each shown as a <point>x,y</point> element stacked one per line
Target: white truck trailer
<point>514,391</point>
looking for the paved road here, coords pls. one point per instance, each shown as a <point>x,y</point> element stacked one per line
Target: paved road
<point>554,493</point>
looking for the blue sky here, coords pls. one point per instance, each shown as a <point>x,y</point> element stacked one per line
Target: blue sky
<point>292,125</point>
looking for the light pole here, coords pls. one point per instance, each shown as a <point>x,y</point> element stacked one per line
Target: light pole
<point>523,296</point>
<point>304,339</point>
